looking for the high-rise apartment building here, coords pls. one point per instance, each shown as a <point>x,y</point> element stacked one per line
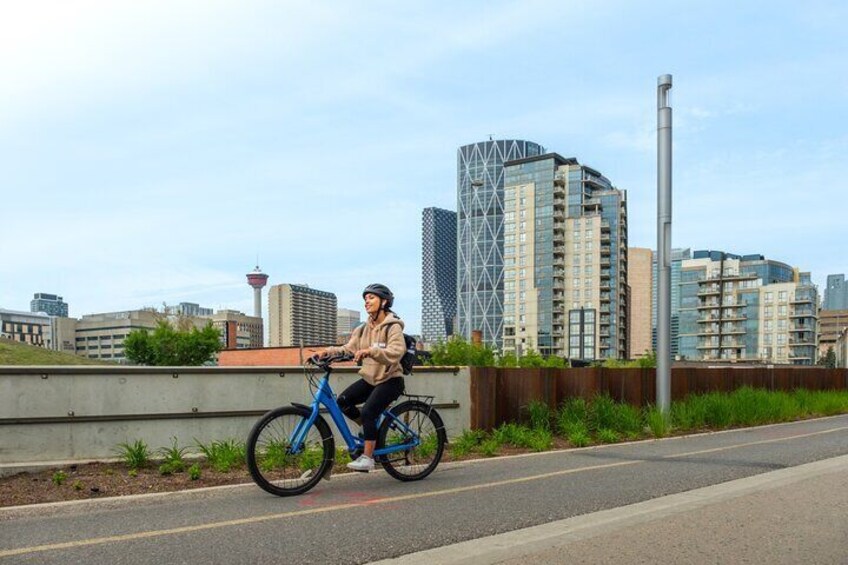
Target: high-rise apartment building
<point>736,307</point>
<point>480,176</point>
<point>346,321</point>
<point>299,315</point>
<point>640,277</point>
<point>565,260</point>
<point>677,258</point>
<point>438,274</point>
<point>50,304</point>
<point>836,293</point>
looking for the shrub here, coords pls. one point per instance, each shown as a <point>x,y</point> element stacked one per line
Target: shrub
<point>172,457</point>
<point>541,440</point>
<point>573,410</point>
<point>540,415</point>
<point>467,442</point>
<point>223,455</point>
<point>77,485</point>
<point>512,434</point>
<point>194,472</point>
<point>489,447</point>
<point>135,455</point>
<point>59,477</point>
<point>578,435</point>
<point>606,435</point>
<point>658,422</point>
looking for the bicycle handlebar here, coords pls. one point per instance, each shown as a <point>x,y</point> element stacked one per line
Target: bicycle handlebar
<point>325,362</point>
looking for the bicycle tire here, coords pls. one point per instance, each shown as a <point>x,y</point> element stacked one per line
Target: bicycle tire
<point>277,471</point>
<point>416,463</point>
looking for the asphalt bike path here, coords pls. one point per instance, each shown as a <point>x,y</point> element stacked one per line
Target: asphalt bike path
<point>357,519</point>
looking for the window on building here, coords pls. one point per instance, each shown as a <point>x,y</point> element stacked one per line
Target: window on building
<point>781,310</point>
<point>781,296</point>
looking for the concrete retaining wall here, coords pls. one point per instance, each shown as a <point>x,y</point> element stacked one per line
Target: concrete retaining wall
<point>82,413</point>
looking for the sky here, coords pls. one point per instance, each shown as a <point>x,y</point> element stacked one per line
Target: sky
<point>151,151</point>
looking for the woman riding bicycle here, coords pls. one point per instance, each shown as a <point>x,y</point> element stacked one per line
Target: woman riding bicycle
<point>379,345</point>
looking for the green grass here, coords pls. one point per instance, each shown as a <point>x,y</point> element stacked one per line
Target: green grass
<point>15,353</point>
<point>135,455</point>
<point>172,458</point>
<point>467,443</point>
<point>224,455</point>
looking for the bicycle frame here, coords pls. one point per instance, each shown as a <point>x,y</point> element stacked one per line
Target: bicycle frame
<point>325,397</point>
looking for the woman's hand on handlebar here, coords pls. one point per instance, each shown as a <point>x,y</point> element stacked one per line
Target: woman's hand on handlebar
<point>361,354</point>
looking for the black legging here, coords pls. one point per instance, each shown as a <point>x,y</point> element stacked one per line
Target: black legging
<point>376,398</point>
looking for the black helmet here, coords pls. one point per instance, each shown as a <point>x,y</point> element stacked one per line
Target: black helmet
<point>382,291</point>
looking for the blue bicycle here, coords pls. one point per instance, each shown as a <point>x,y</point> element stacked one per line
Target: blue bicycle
<point>291,448</point>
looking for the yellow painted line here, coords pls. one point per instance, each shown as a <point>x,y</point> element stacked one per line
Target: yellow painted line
<point>388,500</point>
<point>759,442</point>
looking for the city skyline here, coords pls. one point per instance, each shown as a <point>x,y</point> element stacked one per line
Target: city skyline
<point>157,159</point>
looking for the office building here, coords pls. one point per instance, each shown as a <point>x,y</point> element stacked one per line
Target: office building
<point>480,175</point>
<point>32,328</point>
<point>746,308</point>
<point>346,321</point>
<point>565,260</point>
<point>677,258</point>
<point>188,309</point>
<point>831,325</point>
<point>299,315</point>
<point>50,304</point>
<point>640,277</point>
<point>438,274</point>
<point>836,293</point>
<point>248,330</point>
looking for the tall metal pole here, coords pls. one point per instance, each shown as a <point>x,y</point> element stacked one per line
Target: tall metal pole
<point>663,244</point>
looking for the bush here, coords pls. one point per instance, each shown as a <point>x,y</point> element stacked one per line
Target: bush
<point>540,415</point>
<point>223,455</point>
<point>489,447</point>
<point>59,477</point>
<point>135,455</point>
<point>194,472</point>
<point>457,351</point>
<point>658,422</point>
<point>606,435</point>
<point>573,410</point>
<point>467,442</point>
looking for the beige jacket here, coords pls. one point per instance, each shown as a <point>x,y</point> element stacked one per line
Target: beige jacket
<point>385,340</point>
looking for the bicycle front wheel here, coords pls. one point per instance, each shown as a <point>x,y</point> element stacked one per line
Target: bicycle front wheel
<point>284,469</point>
<point>412,419</point>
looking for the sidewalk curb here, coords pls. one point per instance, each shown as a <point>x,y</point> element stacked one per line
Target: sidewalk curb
<point>523,542</point>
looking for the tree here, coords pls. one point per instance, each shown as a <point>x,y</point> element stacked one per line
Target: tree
<point>167,346</point>
<point>829,359</point>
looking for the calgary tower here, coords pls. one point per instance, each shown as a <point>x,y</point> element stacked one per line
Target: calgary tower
<point>257,279</point>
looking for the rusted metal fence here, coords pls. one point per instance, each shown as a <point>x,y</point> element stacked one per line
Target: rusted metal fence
<point>502,395</point>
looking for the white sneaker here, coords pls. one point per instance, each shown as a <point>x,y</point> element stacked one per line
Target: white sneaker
<point>363,464</point>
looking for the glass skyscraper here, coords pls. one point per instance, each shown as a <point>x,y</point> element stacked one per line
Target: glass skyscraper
<point>438,274</point>
<point>565,260</point>
<point>836,293</point>
<point>479,183</point>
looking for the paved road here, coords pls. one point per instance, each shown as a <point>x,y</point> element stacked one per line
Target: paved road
<point>366,518</point>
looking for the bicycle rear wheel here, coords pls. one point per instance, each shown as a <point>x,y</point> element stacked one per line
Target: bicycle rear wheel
<point>270,457</point>
<point>413,419</point>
